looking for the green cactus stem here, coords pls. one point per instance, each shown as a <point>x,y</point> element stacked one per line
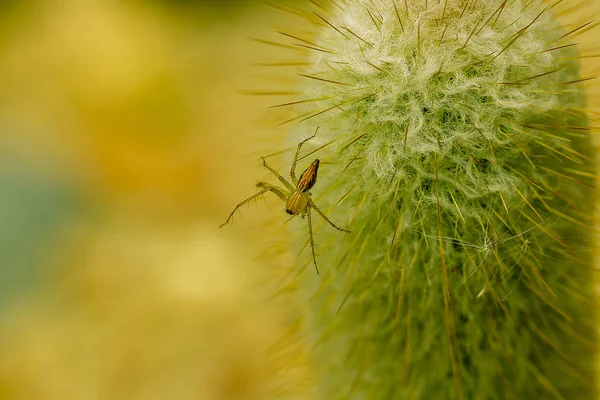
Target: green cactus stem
<point>455,145</point>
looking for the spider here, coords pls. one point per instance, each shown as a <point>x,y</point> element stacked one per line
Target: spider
<point>296,196</point>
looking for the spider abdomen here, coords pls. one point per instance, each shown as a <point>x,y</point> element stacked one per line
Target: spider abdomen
<point>309,177</point>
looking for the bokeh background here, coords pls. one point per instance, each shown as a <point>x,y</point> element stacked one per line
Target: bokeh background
<point>125,141</point>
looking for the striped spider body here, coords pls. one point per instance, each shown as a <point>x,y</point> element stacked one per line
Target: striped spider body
<point>300,197</point>
<point>295,195</point>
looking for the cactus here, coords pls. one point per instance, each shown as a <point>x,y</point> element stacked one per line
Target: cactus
<point>455,145</point>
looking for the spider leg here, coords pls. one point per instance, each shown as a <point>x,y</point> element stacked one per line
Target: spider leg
<point>281,178</point>
<point>293,169</point>
<point>249,199</point>
<point>264,188</point>
<point>313,205</point>
<point>272,188</point>
<point>312,242</point>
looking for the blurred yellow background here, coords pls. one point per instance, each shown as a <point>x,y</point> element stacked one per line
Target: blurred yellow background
<point>124,147</point>
<point>125,144</point>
